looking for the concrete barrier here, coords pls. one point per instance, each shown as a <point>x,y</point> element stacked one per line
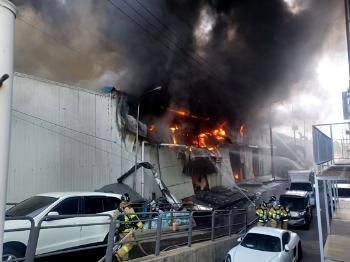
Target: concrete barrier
<point>209,251</point>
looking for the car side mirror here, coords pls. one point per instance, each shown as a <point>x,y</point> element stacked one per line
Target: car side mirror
<point>239,240</point>
<point>52,213</point>
<point>286,248</point>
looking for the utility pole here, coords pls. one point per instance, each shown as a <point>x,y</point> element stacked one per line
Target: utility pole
<point>7,29</point>
<point>271,150</point>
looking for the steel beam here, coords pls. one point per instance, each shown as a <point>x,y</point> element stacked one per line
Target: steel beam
<point>319,221</point>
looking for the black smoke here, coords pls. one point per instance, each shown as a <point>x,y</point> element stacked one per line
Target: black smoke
<point>252,55</point>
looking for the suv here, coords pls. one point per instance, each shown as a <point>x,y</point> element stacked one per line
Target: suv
<point>298,203</point>
<point>55,239</point>
<point>305,186</point>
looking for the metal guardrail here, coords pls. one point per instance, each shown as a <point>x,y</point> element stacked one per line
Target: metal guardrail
<point>222,223</point>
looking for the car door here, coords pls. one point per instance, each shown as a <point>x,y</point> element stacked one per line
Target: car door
<point>53,239</point>
<point>97,205</point>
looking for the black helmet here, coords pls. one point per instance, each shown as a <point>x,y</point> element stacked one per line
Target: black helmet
<point>126,197</point>
<point>273,198</point>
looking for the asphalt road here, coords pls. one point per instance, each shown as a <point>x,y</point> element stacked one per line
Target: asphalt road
<point>309,240</point>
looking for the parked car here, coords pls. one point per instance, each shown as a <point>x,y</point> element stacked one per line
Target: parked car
<point>266,244</point>
<point>298,203</point>
<point>55,239</point>
<point>301,180</point>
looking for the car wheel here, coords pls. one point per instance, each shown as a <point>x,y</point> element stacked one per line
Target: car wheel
<point>11,253</point>
<point>300,252</point>
<point>228,258</point>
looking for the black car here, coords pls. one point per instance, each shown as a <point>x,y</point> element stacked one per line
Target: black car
<point>298,203</point>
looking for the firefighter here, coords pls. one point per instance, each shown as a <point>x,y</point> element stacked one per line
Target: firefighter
<point>262,213</point>
<point>275,215</point>
<point>284,217</point>
<point>128,221</point>
<point>273,201</point>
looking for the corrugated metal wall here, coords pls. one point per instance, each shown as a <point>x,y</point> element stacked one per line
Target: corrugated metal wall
<point>66,139</point>
<point>63,139</point>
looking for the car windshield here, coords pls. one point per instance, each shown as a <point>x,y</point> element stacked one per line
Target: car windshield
<point>31,206</point>
<point>262,242</point>
<point>301,186</point>
<point>292,203</point>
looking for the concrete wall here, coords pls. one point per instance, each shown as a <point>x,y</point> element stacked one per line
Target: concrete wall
<point>205,251</point>
<point>63,139</point>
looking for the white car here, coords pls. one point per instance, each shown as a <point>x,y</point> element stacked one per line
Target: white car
<point>55,239</point>
<point>266,244</point>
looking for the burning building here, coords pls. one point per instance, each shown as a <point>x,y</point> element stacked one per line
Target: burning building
<point>222,63</point>
<point>201,159</point>
<point>86,140</point>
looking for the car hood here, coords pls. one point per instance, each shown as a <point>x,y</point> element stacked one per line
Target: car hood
<point>250,255</point>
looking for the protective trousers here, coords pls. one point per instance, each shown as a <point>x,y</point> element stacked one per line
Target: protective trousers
<point>123,252</point>
<point>284,224</point>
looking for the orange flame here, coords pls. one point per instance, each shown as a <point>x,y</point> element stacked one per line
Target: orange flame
<point>219,134</point>
<point>184,113</point>
<point>179,112</point>
<point>241,130</point>
<point>207,139</point>
<point>173,129</point>
<point>235,176</point>
<point>151,128</point>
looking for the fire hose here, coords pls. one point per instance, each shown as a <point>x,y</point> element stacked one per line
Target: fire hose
<point>118,244</point>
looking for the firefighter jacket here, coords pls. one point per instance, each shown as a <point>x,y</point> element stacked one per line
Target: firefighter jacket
<point>275,214</point>
<point>128,220</point>
<point>284,214</point>
<point>263,215</point>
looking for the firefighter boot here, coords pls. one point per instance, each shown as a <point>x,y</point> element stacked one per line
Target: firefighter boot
<point>285,224</point>
<point>273,223</point>
<point>122,253</point>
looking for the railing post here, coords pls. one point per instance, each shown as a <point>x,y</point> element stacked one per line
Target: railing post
<point>110,241</point>
<point>32,243</point>
<point>190,227</point>
<point>212,225</point>
<point>230,223</point>
<point>158,235</point>
<point>150,218</point>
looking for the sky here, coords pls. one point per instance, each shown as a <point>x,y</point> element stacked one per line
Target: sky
<point>321,100</point>
<point>286,58</point>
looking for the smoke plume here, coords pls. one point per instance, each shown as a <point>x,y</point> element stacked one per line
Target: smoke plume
<point>223,59</point>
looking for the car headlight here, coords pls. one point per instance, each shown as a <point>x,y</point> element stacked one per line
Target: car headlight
<point>302,213</point>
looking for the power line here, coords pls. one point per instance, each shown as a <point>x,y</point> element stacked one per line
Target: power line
<point>71,48</point>
<point>183,50</point>
<point>169,39</point>
<point>77,140</point>
<point>157,39</point>
<point>172,32</point>
<point>68,128</point>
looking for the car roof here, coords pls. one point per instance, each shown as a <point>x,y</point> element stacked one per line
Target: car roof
<point>295,193</point>
<point>276,232</point>
<point>71,194</point>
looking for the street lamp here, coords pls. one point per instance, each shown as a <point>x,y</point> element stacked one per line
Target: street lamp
<point>156,89</point>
